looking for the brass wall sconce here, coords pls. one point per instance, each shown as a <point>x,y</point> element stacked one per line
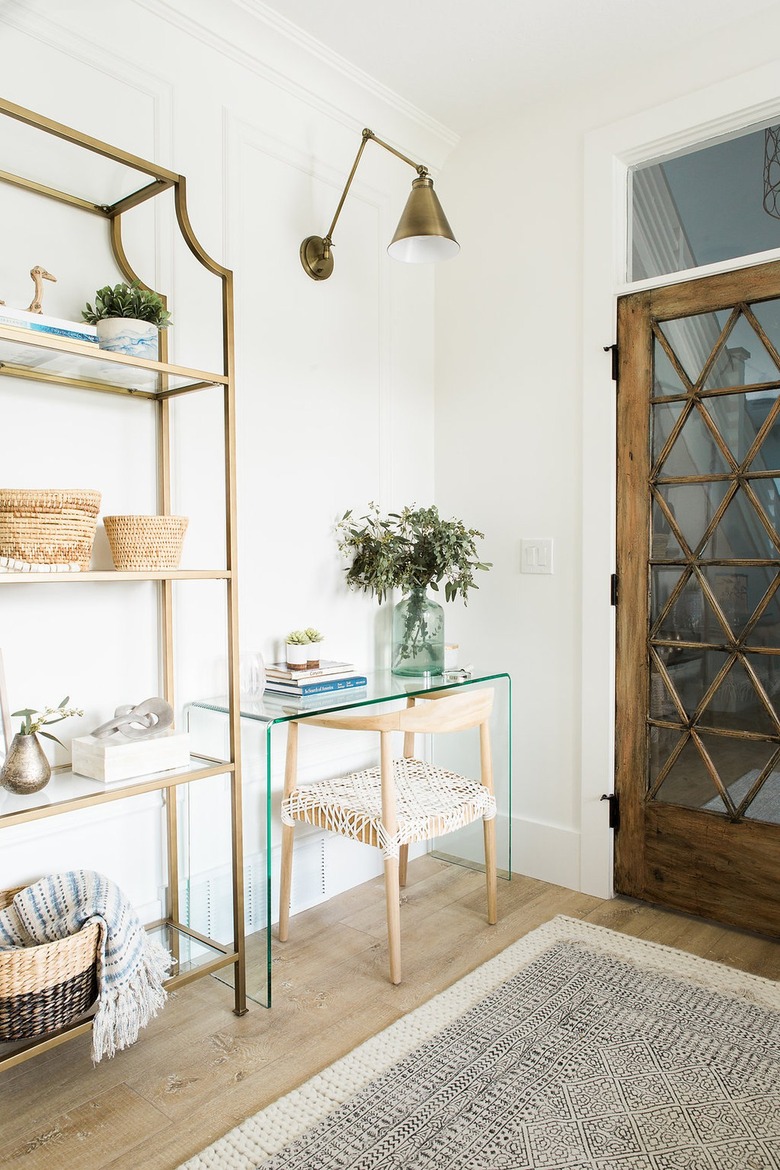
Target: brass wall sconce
<point>423,233</point>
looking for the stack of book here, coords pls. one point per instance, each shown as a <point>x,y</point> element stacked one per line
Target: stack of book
<point>53,326</point>
<point>320,680</point>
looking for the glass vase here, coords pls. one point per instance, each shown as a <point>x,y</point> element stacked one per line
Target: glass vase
<point>418,635</point>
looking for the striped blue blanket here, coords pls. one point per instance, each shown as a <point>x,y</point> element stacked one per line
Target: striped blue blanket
<point>131,965</point>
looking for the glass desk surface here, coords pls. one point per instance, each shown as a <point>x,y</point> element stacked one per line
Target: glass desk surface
<point>263,740</point>
<point>381,687</point>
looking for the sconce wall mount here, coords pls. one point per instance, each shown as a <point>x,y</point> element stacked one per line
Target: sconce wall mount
<point>423,233</point>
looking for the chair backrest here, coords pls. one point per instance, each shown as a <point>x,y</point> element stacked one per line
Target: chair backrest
<point>446,711</point>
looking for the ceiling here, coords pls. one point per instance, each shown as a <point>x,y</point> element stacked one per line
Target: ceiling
<point>461,61</point>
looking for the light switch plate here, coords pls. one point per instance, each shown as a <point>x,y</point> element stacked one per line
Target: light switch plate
<point>536,556</point>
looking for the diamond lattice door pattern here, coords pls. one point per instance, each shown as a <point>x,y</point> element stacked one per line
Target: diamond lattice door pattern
<point>698,695</point>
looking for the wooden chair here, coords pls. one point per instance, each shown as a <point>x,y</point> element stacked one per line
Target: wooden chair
<point>401,801</point>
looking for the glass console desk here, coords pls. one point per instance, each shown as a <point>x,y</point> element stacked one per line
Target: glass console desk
<point>263,722</point>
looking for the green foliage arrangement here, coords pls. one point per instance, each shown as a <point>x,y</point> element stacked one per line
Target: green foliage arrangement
<point>128,300</point>
<point>33,720</point>
<point>408,550</point>
<point>313,635</point>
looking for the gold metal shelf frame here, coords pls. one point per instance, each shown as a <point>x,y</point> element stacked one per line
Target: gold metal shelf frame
<point>72,364</point>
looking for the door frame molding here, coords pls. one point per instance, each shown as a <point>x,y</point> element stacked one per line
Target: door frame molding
<point>715,110</point>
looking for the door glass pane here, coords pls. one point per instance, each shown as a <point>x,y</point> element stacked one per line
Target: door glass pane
<point>767,313</point>
<point>766,631</point>
<point>736,705</point>
<point>739,533</point>
<point>691,617</point>
<point>664,417</point>
<point>666,380</point>
<point>766,492</point>
<point>664,581</point>
<point>739,418</point>
<point>737,592</point>
<point>695,450</point>
<point>693,339</point>
<point>700,207</point>
<point>743,360</point>
<point>693,506</point>
<point>689,783</point>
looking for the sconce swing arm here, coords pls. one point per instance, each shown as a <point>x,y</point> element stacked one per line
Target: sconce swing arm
<point>316,254</point>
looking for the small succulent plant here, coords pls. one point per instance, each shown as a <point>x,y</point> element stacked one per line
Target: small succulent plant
<point>297,638</point>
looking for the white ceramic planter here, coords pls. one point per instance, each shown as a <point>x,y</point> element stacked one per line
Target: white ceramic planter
<point>296,656</point>
<point>126,335</point>
<point>314,654</point>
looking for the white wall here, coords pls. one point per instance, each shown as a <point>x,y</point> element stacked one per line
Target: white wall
<point>525,403</point>
<point>335,379</point>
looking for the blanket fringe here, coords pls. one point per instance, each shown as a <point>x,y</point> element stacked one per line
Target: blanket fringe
<point>122,1013</point>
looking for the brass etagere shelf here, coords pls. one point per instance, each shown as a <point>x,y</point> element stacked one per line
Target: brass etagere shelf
<point>77,365</point>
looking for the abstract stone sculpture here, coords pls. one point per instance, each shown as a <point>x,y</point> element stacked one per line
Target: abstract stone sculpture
<point>143,721</point>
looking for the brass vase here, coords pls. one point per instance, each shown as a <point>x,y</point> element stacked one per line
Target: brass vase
<point>25,768</point>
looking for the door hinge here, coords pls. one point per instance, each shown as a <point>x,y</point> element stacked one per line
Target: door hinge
<point>613,349</point>
<point>613,589</point>
<point>614,809</point>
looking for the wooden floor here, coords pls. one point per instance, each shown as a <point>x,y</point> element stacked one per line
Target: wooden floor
<point>198,1070</point>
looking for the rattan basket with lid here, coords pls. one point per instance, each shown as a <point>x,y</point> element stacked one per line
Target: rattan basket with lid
<point>45,987</point>
<point>141,543</point>
<point>48,526</point>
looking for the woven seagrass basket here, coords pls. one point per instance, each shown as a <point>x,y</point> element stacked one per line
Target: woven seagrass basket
<point>45,987</point>
<point>145,542</point>
<point>48,526</point>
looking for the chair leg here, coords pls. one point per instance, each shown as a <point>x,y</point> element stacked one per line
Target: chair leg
<point>403,865</point>
<point>490,870</point>
<point>285,881</point>
<point>393,901</point>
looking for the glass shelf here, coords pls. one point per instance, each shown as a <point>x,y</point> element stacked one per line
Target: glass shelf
<point>50,358</point>
<point>193,954</point>
<point>67,790</point>
<point>115,575</point>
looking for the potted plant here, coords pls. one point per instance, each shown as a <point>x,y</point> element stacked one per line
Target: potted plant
<point>297,645</point>
<point>128,319</point>
<point>313,647</point>
<point>413,550</point>
<point>25,768</point>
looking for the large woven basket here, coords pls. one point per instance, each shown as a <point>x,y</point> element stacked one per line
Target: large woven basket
<point>145,542</point>
<point>48,526</point>
<point>45,987</point>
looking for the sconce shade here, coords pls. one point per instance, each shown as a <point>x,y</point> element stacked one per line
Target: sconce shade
<point>423,233</point>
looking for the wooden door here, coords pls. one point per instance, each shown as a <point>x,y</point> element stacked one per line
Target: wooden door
<point>698,609</point>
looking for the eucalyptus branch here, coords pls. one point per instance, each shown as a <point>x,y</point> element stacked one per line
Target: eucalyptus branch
<point>33,720</point>
<point>411,549</point>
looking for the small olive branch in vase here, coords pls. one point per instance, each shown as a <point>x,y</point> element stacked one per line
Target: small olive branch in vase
<point>33,720</point>
<point>411,550</point>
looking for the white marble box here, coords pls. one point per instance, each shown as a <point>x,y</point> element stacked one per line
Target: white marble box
<point>119,758</point>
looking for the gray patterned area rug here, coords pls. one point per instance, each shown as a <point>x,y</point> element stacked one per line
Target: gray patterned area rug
<point>577,1048</point>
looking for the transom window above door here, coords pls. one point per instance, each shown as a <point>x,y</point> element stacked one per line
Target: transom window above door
<point>710,204</point>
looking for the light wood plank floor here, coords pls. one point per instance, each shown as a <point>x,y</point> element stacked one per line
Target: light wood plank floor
<point>198,1070</point>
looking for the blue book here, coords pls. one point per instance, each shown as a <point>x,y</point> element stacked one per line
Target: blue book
<point>317,687</point>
